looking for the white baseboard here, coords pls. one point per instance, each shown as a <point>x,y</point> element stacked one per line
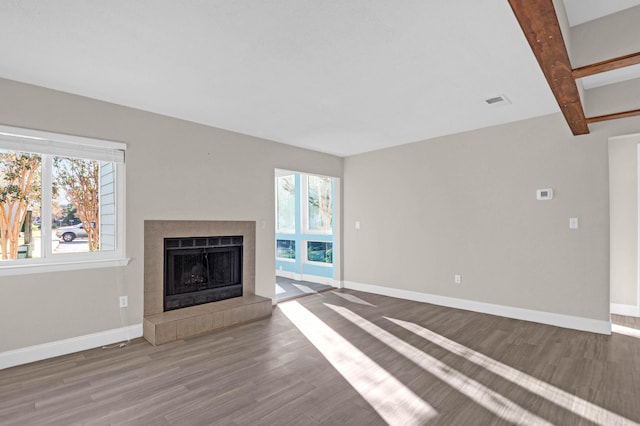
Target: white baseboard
<point>320,280</point>
<point>627,310</point>
<point>290,275</point>
<point>310,278</point>
<point>549,318</point>
<point>68,346</point>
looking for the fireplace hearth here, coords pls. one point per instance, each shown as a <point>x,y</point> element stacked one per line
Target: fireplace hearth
<point>200,270</point>
<point>160,326</point>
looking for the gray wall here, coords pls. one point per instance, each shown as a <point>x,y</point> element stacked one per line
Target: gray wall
<point>465,204</point>
<point>175,170</point>
<point>612,98</point>
<point>462,204</point>
<point>623,198</point>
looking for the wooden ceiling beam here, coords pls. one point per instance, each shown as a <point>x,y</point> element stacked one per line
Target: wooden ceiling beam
<point>539,23</point>
<point>608,65</point>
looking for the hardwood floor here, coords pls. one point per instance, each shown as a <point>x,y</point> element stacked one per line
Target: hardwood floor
<point>396,361</point>
<point>287,288</point>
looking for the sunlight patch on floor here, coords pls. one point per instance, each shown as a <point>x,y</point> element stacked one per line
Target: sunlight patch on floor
<point>489,399</point>
<point>391,399</point>
<point>304,288</point>
<point>352,298</point>
<point>578,406</point>
<point>280,290</point>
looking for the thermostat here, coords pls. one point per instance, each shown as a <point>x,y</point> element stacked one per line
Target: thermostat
<point>544,194</point>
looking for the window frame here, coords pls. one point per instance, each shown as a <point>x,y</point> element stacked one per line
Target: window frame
<point>65,144</point>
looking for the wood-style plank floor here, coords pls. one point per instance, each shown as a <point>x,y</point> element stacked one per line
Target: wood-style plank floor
<point>394,361</point>
<point>287,288</point>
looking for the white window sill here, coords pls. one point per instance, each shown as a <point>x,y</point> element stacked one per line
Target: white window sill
<point>318,232</point>
<point>325,264</point>
<point>58,266</point>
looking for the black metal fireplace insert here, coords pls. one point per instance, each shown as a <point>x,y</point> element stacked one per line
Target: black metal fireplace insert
<point>201,270</point>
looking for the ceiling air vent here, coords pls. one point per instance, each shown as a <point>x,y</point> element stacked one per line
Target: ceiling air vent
<point>498,100</point>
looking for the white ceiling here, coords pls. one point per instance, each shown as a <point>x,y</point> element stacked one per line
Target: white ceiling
<point>342,77</point>
<point>581,11</point>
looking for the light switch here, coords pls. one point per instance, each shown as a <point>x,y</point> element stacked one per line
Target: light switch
<point>573,223</point>
<point>357,224</point>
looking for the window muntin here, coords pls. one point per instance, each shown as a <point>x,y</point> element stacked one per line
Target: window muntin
<point>71,170</point>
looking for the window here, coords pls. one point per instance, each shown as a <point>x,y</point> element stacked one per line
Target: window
<point>319,204</point>
<point>286,249</point>
<point>61,201</point>
<point>320,251</point>
<point>286,204</point>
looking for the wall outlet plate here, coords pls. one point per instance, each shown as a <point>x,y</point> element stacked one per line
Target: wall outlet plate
<point>124,301</point>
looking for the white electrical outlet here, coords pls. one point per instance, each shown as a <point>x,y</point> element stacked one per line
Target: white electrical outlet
<point>124,301</point>
<point>457,279</point>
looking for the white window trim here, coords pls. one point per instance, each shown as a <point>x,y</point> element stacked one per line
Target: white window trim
<point>17,267</point>
<point>68,261</point>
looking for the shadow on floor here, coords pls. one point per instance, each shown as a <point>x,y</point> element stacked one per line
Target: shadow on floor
<point>286,288</point>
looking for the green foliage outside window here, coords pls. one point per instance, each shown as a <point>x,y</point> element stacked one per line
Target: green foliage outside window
<point>320,208</point>
<point>320,251</point>
<point>20,190</point>
<point>286,249</point>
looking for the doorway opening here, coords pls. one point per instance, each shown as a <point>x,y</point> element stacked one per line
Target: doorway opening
<point>624,231</point>
<point>306,233</point>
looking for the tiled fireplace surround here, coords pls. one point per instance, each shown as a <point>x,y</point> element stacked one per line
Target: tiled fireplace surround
<point>161,327</point>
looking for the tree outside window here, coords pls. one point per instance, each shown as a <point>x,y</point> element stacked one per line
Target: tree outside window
<point>320,211</point>
<point>286,249</point>
<point>320,251</point>
<point>20,175</point>
<point>75,195</point>
<point>79,180</point>
<point>286,207</point>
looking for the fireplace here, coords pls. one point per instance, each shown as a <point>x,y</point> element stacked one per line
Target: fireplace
<point>200,270</point>
<point>160,326</point>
